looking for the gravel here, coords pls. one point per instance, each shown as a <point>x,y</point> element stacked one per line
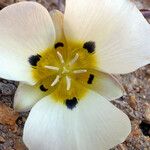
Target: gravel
<point>136,103</point>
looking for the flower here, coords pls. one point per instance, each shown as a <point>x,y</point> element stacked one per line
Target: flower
<point>65,62</point>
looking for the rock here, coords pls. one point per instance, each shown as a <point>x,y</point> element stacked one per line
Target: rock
<point>132,101</point>
<point>147,114</point>
<point>2,140</point>
<point>7,89</point>
<point>7,115</point>
<point>19,145</point>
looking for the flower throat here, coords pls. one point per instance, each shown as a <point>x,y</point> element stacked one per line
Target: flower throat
<point>58,71</point>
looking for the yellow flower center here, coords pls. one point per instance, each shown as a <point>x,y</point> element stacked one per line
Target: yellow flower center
<point>57,70</point>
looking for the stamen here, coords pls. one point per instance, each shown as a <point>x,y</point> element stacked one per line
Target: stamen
<point>79,71</point>
<point>60,57</point>
<point>74,59</point>
<point>68,81</point>
<point>56,80</point>
<point>51,68</point>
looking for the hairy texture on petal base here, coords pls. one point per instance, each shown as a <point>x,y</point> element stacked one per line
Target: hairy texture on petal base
<point>63,64</point>
<point>120,32</point>
<point>102,83</point>
<point>94,124</point>
<point>26,29</point>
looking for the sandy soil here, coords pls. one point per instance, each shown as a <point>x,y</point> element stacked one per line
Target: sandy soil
<point>136,104</point>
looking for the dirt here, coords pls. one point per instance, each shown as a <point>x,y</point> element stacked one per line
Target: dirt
<point>136,103</point>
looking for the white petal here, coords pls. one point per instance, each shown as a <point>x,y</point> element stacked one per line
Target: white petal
<point>26,96</point>
<point>58,19</point>
<point>26,28</point>
<point>117,27</point>
<point>94,124</point>
<point>102,83</point>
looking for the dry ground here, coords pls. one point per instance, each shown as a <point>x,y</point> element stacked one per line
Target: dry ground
<point>136,104</point>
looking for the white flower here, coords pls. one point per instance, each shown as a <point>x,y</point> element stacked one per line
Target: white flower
<point>64,62</point>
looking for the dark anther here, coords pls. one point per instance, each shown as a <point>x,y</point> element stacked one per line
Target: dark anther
<point>145,127</point>
<point>89,46</point>
<point>33,60</point>
<point>59,44</point>
<point>42,88</point>
<point>71,103</point>
<point>91,78</point>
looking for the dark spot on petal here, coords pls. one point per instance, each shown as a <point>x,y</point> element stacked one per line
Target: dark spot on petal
<point>91,78</point>
<point>33,60</point>
<point>42,88</point>
<point>145,127</point>
<point>89,46</point>
<point>59,44</point>
<point>71,103</point>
